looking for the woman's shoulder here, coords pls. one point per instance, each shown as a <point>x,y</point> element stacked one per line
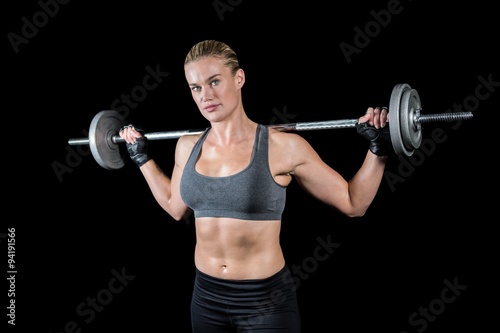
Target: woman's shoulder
<point>189,139</point>
<point>185,145</point>
<point>289,143</point>
<point>285,137</point>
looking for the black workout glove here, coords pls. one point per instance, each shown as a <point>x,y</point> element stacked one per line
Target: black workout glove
<point>139,150</point>
<point>380,138</point>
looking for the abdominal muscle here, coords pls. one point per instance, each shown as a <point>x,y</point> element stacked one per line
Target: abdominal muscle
<point>236,249</point>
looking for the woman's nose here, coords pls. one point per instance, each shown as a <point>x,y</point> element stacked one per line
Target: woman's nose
<point>205,95</point>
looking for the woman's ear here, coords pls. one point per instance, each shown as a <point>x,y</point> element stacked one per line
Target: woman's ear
<point>240,77</point>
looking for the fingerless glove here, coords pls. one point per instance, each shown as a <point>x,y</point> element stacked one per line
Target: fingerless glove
<point>139,151</point>
<point>380,138</point>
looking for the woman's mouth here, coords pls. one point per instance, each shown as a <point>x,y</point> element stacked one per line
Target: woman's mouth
<point>210,108</point>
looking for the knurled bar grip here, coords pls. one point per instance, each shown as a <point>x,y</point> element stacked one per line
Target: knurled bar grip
<point>301,126</point>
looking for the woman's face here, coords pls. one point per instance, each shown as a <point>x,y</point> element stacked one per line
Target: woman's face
<point>215,91</point>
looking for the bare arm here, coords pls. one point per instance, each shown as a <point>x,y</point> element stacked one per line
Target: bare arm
<point>351,197</point>
<point>166,190</point>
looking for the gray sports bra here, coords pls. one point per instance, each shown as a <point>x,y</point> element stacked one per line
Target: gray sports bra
<point>251,194</point>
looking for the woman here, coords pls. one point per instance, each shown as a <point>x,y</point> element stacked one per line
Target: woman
<point>234,176</point>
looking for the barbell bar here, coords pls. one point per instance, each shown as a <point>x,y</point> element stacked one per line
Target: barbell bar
<point>405,127</point>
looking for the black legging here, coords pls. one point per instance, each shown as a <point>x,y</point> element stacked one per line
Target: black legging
<point>263,305</point>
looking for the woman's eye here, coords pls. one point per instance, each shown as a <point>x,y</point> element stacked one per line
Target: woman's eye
<point>196,88</point>
<point>214,82</point>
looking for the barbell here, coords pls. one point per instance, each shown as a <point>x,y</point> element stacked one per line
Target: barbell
<point>405,128</point>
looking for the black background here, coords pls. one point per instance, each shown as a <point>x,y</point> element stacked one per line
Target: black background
<point>76,222</point>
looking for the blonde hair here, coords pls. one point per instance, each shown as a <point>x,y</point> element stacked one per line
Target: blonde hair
<point>214,48</point>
